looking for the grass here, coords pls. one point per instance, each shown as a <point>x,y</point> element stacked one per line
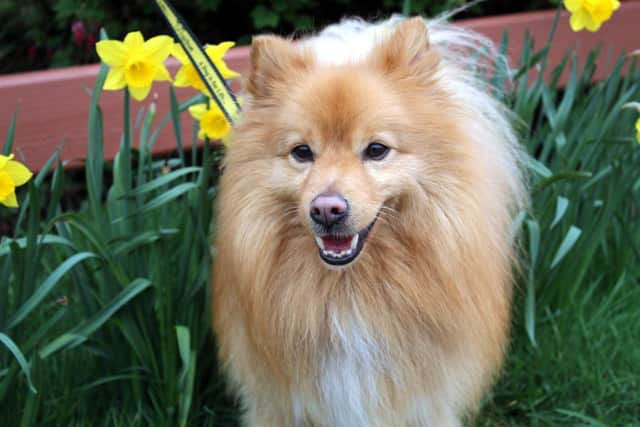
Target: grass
<point>104,309</point>
<point>584,371</point>
<point>574,358</point>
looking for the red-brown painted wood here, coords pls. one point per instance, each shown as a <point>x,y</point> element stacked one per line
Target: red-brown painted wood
<point>53,105</point>
<point>53,110</point>
<point>614,37</point>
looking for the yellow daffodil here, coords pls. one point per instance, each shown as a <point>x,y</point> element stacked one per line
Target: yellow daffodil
<point>590,14</point>
<point>135,63</point>
<point>12,175</point>
<point>213,123</point>
<point>187,74</point>
<point>635,106</point>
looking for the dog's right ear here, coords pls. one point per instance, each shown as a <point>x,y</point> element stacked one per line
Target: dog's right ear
<point>406,52</point>
<point>274,61</point>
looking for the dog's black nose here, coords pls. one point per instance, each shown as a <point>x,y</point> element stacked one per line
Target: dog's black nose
<point>328,209</point>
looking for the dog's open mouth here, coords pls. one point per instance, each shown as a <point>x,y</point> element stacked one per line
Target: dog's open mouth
<point>341,249</point>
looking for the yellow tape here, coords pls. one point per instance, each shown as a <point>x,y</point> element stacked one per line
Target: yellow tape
<point>209,73</point>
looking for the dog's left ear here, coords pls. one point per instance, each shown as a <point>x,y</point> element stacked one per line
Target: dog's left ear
<point>406,52</point>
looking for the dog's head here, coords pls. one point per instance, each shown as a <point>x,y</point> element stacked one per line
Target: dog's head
<point>348,145</point>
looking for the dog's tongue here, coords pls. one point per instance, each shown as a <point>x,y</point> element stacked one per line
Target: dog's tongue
<point>336,244</point>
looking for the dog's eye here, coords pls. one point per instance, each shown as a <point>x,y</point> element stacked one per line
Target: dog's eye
<point>375,151</point>
<point>302,153</point>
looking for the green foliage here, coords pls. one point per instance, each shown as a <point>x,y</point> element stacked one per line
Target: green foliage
<point>574,361</point>
<point>104,309</point>
<point>42,34</point>
<point>110,303</point>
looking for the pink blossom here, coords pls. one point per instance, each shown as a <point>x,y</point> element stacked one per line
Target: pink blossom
<point>78,30</point>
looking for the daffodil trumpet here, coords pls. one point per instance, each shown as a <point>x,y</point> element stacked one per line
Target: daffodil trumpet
<point>213,123</point>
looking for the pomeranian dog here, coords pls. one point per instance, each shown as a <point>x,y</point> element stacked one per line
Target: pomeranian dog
<point>363,261</point>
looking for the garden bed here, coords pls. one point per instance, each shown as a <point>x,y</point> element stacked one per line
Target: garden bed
<point>53,105</point>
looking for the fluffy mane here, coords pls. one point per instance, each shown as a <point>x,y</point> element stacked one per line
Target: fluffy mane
<point>413,331</point>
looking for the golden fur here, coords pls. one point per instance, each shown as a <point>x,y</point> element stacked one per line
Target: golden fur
<point>413,331</point>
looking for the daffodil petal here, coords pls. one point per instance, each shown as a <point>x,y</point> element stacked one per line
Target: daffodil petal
<point>213,106</point>
<point>218,50</point>
<point>115,79</point>
<point>178,52</point>
<point>615,4</point>
<point>201,134</point>
<point>18,172</point>
<point>225,46</point>
<point>139,93</point>
<point>112,52</point>
<point>577,20</point>
<point>162,74</point>
<point>158,48</point>
<point>192,77</point>
<point>134,40</point>
<point>198,110</point>
<point>226,72</point>
<point>10,200</point>
<point>572,5</point>
<point>220,133</point>
<point>211,50</point>
<point>181,79</point>
<point>195,80</point>
<point>602,13</point>
<point>216,53</point>
<point>592,24</point>
<point>4,160</point>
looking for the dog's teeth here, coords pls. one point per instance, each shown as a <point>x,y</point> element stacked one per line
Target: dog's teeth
<point>354,242</point>
<point>320,242</point>
<point>337,254</point>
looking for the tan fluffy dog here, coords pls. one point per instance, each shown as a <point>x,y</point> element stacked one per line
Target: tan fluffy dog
<point>362,256</point>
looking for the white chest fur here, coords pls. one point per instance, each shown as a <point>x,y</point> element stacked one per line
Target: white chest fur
<point>359,384</point>
<point>348,380</point>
